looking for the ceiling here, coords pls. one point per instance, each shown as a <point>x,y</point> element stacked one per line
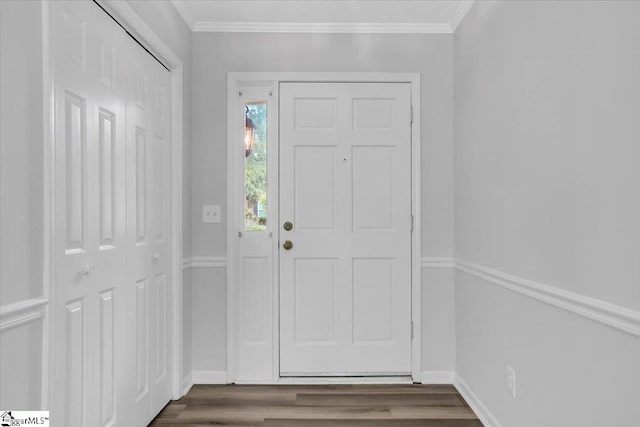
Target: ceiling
<point>324,16</point>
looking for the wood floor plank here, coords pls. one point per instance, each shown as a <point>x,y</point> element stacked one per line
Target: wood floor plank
<point>389,399</point>
<point>330,405</point>
<point>371,423</point>
<point>433,412</point>
<point>234,399</point>
<point>254,414</point>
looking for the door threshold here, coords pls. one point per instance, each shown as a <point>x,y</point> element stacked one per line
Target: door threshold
<point>346,380</point>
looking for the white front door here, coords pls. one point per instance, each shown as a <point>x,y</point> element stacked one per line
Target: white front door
<point>345,185</point>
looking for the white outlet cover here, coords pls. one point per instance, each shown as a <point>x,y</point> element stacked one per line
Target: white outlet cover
<point>511,380</point>
<point>211,214</point>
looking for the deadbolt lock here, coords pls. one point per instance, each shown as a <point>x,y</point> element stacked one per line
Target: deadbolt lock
<point>287,226</point>
<point>287,245</point>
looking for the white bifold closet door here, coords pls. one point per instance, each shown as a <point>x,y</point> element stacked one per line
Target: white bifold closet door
<point>111,337</point>
<point>345,184</point>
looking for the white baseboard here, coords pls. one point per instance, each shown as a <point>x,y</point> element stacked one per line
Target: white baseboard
<point>187,383</point>
<point>437,377</point>
<point>481,411</point>
<point>345,380</point>
<point>209,377</point>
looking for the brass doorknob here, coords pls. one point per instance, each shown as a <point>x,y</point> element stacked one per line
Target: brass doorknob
<point>287,245</point>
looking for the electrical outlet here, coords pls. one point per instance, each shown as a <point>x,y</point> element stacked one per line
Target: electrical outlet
<point>210,213</point>
<point>511,380</point>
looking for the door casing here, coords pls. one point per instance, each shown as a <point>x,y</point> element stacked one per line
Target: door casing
<point>235,80</point>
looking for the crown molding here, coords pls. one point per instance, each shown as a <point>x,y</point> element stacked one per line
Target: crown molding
<point>322,27</point>
<point>463,8</point>
<point>184,13</point>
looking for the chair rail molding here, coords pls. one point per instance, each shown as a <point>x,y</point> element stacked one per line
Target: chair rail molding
<point>22,312</point>
<point>618,317</point>
<point>204,262</point>
<point>437,262</point>
<point>613,315</point>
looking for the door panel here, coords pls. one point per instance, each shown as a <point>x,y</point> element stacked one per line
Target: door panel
<point>76,365</point>
<point>148,256</point>
<point>315,186</point>
<point>107,359</point>
<point>316,300</point>
<point>345,183</point>
<point>104,264</point>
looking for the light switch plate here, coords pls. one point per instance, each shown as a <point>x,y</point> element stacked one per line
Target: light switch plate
<point>211,213</point>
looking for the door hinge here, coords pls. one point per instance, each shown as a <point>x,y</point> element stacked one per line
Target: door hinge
<point>411,330</point>
<point>411,120</point>
<point>411,222</point>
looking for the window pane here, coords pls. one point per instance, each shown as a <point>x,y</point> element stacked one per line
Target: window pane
<point>255,166</point>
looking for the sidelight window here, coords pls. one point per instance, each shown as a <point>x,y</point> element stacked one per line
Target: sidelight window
<point>255,166</point>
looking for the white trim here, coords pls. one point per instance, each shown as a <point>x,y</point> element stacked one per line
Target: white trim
<point>321,27</point>
<point>462,11</point>
<point>187,383</point>
<point>437,377</point>
<point>127,17</point>
<point>209,377</point>
<point>621,318</point>
<point>438,262</point>
<point>481,411</point>
<point>204,262</point>
<point>233,80</point>
<point>22,312</point>
<point>134,24</point>
<point>613,315</point>
<point>184,13</point>
<point>345,380</point>
<point>416,232</point>
<point>232,243</point>
<point>48,272</point>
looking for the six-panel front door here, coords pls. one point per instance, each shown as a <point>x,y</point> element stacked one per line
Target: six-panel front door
<point>345,266</point>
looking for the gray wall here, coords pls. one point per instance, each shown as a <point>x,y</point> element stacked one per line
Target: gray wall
<point>165,21</point>
<point>21,198</point>
<point>547,188</point>
<point>215,54</point>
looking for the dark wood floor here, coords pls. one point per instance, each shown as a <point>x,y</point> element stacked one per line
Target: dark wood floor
<point>320,406</point>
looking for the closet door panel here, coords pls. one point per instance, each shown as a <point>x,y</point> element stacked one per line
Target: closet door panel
<point>111,344</point>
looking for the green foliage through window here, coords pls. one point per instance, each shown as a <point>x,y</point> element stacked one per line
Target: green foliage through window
<point>255,176</point>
